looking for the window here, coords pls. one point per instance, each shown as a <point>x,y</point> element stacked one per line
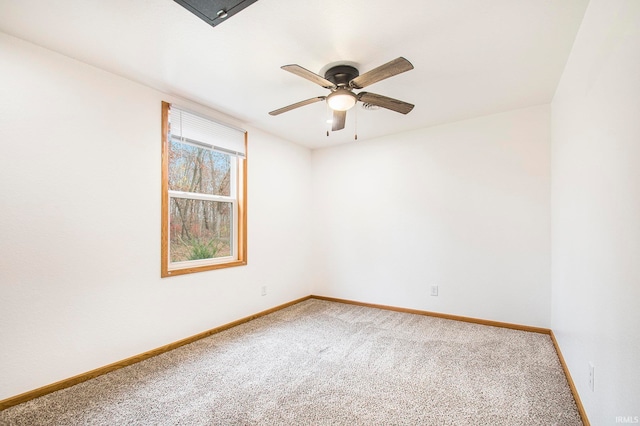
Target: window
<point>204,216</point>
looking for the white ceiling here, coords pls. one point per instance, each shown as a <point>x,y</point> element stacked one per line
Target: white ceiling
<point>471,57</point>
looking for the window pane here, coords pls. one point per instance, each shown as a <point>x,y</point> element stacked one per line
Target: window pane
<point>194,169</point>
<point>199,229</point>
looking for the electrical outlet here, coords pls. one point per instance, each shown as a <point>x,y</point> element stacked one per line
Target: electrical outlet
<point>592,377</point>
<point>264,290</point>
<point>434,290</point>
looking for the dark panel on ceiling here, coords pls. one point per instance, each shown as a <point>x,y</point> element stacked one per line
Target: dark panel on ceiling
<point>214,12</point>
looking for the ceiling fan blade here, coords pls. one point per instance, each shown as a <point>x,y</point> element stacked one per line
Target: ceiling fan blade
<point>309,75</point>
<point>395,67</point>
<point>298,105</point>
<point>339,118</point>
<point>385,102</point>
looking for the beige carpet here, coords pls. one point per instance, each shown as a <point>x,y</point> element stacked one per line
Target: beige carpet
<point>325,363</point>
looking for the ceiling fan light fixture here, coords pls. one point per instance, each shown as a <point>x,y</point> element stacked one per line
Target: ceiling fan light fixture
<point>341,100</point>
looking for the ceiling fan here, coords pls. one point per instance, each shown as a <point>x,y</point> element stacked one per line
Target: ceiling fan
<point>342,80</point>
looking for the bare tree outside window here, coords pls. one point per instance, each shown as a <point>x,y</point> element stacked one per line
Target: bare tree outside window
<point>199,229</point>
<point>195,169</point>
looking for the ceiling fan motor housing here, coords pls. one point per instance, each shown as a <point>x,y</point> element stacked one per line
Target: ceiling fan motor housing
<point>341,75</point>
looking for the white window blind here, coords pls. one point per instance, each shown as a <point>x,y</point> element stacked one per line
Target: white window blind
<point>189,127</point>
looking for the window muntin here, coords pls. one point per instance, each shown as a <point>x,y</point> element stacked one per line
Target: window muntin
<point>204,194</point>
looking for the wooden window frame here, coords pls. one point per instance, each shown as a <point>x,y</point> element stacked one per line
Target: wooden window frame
<point>241,211</point>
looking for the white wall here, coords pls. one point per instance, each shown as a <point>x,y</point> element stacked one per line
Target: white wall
<point>596,210</point>
<point>80,279</point>
<point>464,206</point>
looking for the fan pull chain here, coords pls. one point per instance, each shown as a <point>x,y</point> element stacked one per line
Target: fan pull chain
<point>355,110</point>
<point>328,120</point>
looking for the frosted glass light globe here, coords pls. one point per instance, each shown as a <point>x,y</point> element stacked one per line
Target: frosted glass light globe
<point>341,100</point>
